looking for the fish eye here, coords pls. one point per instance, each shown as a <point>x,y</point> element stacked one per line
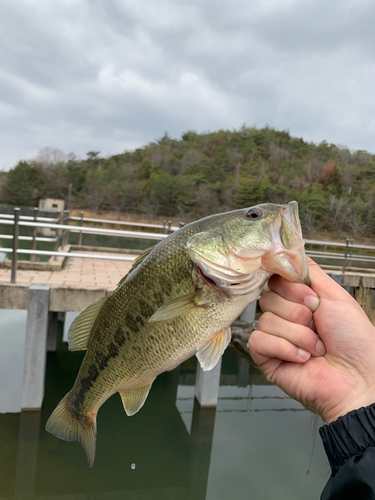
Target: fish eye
<point>254,213</point>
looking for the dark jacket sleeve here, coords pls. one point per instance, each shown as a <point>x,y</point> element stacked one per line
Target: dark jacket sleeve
<point>349,443</point>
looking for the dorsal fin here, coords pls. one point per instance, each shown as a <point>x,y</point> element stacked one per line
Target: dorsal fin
<point>80,329</point>
<point>136,263</point>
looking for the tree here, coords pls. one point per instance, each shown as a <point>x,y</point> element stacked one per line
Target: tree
<point>92,155</point>
<point>18,188</point>
<point>171,194</point>
<point>248,192</point>
<point>313,209</point>
<point>94,192</point>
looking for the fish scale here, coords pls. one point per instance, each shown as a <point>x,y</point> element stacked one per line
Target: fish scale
<point>179,299</point>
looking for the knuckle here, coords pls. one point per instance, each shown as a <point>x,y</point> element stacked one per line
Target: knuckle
<point>263,301</point>
<point>254,337</point>
<point>264,320</point>
<point>300,314</point>
<point>296,313</point>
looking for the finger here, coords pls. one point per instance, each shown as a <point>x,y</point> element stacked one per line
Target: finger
<point>299,335</point>
<point>323,284</point>
<point>291,311</point>
<point>264,347</point>
<point>294,292</point>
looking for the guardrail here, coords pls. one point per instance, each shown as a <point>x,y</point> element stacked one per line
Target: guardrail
<point>62,231</point>
<point>62,227</point>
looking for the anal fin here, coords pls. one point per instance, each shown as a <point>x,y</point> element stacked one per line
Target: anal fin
<point>210,353</point>
<point>135,398</point>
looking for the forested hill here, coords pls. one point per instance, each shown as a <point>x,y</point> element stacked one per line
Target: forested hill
<point>207,173</point>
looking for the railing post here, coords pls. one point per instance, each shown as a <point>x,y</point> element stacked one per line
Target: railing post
<point>164,223</point>
<point>35,234</point>
<point>346,255</point>
<point>351,252</point>
<point>16,233</point>
<point>66,232</point>
<point>58,235</point>
<point>80,234</point>
<point>169,226</point>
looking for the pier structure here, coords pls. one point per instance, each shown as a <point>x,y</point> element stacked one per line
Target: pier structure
<point>81,282</point>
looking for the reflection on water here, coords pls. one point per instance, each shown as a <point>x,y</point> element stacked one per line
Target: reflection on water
<point>12,351</point>
<point>257,443</point>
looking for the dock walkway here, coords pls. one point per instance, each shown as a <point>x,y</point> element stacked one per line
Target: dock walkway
<point>77,272</point>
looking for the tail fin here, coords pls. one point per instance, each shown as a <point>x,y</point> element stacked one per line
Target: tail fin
<point>64,424</point>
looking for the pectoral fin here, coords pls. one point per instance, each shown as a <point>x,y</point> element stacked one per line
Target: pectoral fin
<point>175,307</point>
<point>135,398</point>
<point>80,329</point>
<point>210,353</point>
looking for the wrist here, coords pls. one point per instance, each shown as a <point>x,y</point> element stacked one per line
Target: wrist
<point>346,407</point>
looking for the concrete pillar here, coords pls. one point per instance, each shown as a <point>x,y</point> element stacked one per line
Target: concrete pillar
<point>207,385</point>
<point>52,331</point>
<point>248,314</point>
<point>336,277</point>
<point>35,348</point>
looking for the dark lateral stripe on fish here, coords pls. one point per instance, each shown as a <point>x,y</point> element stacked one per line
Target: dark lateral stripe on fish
<point>102,362</point>
<point>145,308</point>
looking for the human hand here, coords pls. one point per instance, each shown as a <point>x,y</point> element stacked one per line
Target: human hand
<point>332,372</point>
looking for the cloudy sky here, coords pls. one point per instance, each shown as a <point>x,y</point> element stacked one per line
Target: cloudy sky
<point>111,75</point>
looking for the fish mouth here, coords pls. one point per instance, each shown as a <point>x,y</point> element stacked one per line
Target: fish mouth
<point>287,257</point>
<point>291,266</point>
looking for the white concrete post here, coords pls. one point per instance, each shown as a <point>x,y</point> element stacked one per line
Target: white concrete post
<point>207,385</point>
<point>248,314</point>
<point>35,348</point>
<point>336,277</point>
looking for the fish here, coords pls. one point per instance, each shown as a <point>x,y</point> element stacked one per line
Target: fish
<point>179,299</point>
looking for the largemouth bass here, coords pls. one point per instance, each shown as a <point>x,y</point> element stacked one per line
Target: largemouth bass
<point>179,299</point>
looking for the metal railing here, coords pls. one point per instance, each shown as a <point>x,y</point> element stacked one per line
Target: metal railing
<point>62,227</point>
<point>165,227</point>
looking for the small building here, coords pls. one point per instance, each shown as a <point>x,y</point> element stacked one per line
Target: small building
<point>51,204</point>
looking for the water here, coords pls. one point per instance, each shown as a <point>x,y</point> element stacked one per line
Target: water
<point>12,341</point>
<point>257,444</point>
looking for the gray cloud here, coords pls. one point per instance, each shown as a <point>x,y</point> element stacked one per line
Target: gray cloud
<point>111,75</point>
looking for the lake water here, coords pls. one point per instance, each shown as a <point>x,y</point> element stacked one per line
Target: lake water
<point>257,443</point>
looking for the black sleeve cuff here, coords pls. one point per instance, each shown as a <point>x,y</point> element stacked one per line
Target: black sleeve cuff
<point>349,436</point>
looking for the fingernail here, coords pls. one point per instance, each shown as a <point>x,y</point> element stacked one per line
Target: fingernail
<point>312,302</point>
<point>320,348</point>
<point>304,355</point>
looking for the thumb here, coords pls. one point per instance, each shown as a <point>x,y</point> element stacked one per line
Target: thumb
<point>322,284</point>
